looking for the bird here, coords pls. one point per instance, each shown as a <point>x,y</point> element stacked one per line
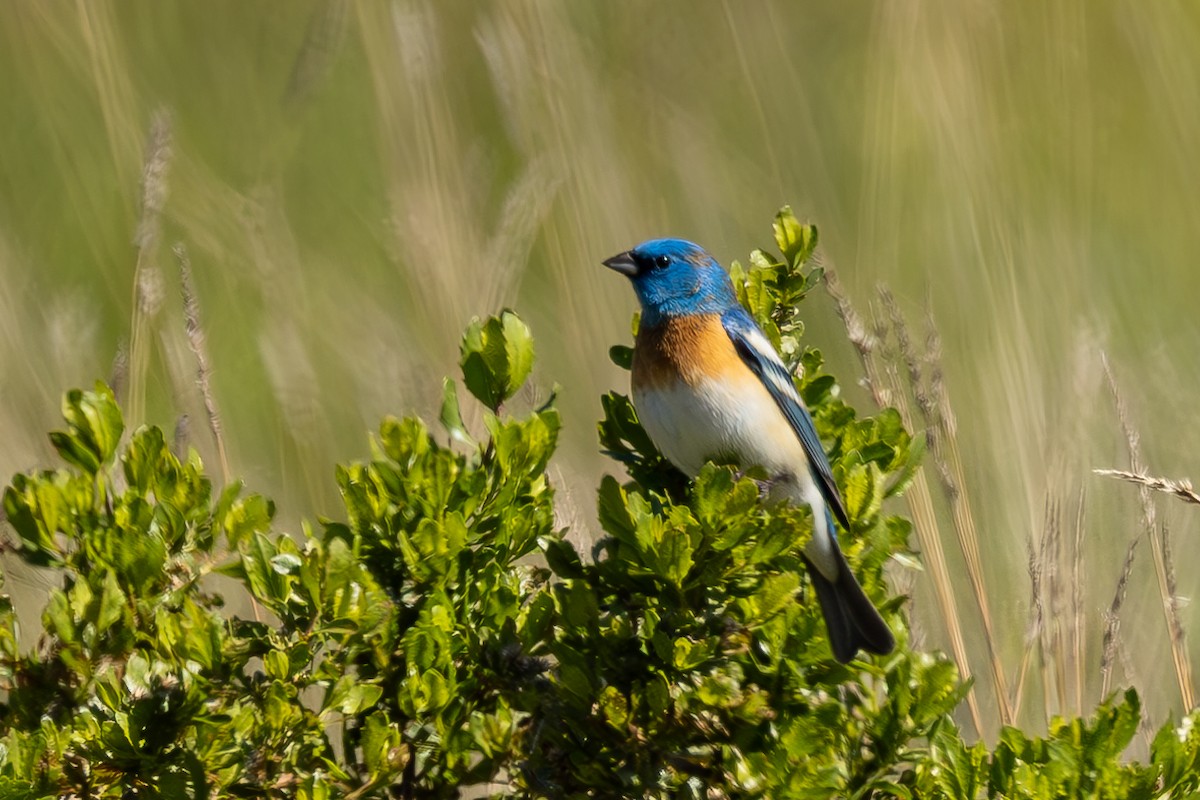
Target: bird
<point>708,386</point>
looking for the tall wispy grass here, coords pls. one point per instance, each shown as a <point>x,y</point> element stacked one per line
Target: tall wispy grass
<point>352,181</point>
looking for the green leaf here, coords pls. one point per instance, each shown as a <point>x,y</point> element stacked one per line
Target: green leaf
<point>350,696</point>
<point>286,563</point>
<point>796,240</point>
<point>538,616</point>
<point>574,672</point>
<point>814,277</point>
<point>621,434</point>
<point>621,355</point>
<point>1126,718</point>
<point>579,608</point>
<point>112,602</point>
<point>863,493</point>
<point>818,390</point>
<point>280,706</point>
<point>899,482</point>
<point>496,358</point>
<point>561,557</point>
<point>524,447</point>
<point>269,573</point>
<point>688,654</point>
<point>615,518</point>
<point>658,694</point>
<point>673,551</point>
<point>75,451</point>
<point>615,708</point>
<point>58,618</point>
<point>777,592</point>
<point>276,665</point>
<point>38,509</point>
<point>451,417</point>
<point>477,375</point>
<point>518,346</point>
<point>94,428</point>
<point>245,517</point>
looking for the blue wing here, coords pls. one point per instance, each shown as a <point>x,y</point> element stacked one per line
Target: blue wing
<point>756,351</point>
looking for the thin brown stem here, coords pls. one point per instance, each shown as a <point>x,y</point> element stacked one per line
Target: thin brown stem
<point>1112,621</point>
<point>1175,633</point>
<point>883,381</point>
<point>1077,643</point>
<point>199,347</point>
<point>147,279</point>
<point>934,404</point>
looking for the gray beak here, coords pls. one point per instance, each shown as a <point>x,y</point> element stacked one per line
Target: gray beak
<point>622,263</point>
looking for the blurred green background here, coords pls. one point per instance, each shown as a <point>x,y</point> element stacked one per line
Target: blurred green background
<point>354,181</point>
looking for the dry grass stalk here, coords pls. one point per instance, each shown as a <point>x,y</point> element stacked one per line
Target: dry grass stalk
<point>1033,631</point>
<point>934,404</point>
<point>1177,636</point>
<point>908,354</point>
<point>885,386</point>
<point>864,341</point>
<point>1112,621</point>
<point>1077,577</point>
<point>955,487</point>
<point>147,281</point>
<point>1177,488</point>
<point>1044,634</point>
<point>1052,558</point>
<point>118,376</point>
<point>1179,654</point>
<point>196,340</point>
<point>1045,566</point>
<point>920,504</point>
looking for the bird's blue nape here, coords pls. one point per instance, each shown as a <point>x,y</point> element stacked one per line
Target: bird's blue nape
<point>675,277</point>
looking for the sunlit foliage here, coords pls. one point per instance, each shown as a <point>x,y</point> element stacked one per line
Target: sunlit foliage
<point>446,635</point>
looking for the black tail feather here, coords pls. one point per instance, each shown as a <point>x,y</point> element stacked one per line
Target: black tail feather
<point>851,619</point>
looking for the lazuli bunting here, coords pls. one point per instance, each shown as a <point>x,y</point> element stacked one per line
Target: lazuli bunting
<point>707,384</point>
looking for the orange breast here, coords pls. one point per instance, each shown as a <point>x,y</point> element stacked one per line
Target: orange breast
<point>683,349</point>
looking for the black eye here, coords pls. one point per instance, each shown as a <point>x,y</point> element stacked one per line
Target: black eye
<point>662,261</point>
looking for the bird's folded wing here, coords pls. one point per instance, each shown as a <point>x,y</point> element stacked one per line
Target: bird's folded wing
<point>758,354</point>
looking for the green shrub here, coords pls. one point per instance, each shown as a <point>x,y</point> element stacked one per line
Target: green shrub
<point>420,647</point>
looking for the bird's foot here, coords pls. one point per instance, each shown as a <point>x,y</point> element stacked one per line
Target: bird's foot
<point>765,485</point>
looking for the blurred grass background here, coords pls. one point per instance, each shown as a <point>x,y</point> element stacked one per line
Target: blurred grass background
<point>354,181</point>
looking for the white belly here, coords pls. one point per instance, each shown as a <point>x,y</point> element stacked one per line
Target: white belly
<point>710,422</point>
<point>723,420</point>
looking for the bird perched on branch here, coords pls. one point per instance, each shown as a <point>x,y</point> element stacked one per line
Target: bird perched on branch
<point>707,384</point>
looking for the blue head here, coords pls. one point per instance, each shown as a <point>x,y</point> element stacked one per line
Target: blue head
<point>673,277</point>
